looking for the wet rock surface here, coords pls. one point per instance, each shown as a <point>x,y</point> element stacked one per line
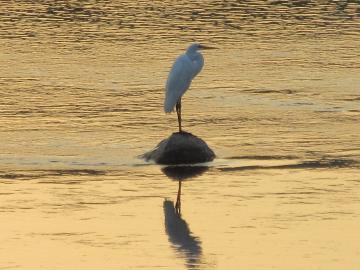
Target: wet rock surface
<point>181,148</point>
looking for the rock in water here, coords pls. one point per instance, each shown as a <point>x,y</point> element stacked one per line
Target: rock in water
<point>181,148</point>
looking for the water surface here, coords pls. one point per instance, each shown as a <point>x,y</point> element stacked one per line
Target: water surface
<point>82,87</point>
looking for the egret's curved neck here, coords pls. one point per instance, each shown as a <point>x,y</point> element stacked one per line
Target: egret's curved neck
<point>193,54</point>
<point>197,60</point>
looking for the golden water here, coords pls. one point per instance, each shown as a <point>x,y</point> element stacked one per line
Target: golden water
<point>82,87</point>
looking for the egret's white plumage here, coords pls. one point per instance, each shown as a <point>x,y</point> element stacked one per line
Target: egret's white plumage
<point>183,71</point>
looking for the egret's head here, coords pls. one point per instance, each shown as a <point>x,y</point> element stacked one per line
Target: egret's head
<point>197,46</point>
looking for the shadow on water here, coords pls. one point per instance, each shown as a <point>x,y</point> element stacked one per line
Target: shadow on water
<point>177,229</point>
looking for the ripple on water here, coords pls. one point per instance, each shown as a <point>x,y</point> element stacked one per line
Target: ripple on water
<point>324,163</point>
<point>125,21</point>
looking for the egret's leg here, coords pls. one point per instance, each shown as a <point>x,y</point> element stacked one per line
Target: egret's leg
<point>178,200</point>
<point>178,111</point>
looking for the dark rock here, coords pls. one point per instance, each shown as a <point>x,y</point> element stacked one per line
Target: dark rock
<point>180,148</point>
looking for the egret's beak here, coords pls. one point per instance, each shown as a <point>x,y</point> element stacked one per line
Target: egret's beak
<point>203,47</point>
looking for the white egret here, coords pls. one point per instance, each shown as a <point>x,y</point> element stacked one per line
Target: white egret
<point>183,71</point>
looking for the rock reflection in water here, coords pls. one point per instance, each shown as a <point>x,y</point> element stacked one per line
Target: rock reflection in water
<point>183,172</point>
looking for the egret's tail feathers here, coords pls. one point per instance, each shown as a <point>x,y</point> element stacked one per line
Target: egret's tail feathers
<point>169,103</point>
<point>168,108</point>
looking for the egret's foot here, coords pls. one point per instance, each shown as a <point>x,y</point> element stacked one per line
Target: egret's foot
<point>178,112</point>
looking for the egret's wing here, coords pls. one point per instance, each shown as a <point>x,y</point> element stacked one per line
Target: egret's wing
<point>178,82</point>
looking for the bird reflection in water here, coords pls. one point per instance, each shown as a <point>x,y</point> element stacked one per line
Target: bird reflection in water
<point>176,227</point>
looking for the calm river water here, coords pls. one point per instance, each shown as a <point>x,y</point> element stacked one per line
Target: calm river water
<point>82,88</point>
